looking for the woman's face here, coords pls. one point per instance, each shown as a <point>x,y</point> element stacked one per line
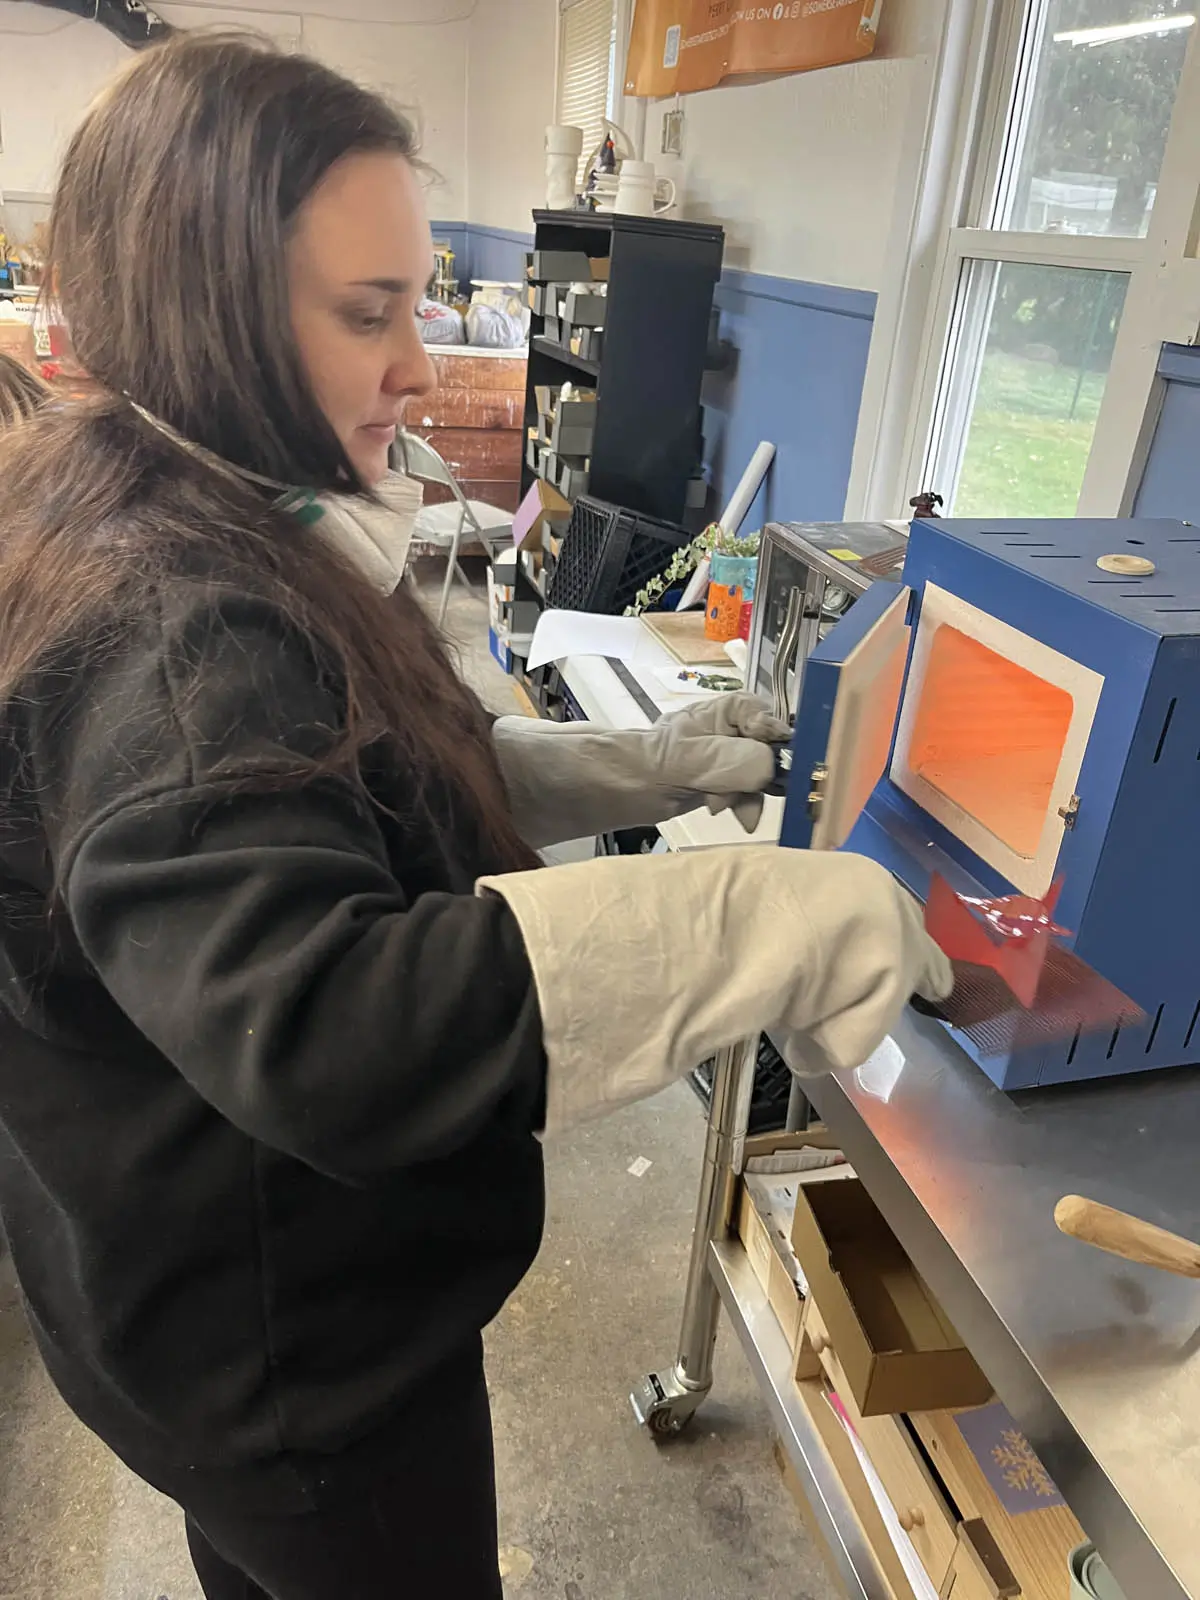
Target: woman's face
<point>359,259</point>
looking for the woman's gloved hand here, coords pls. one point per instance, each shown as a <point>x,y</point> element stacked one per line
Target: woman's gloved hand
<point>570,780</point>
<point>644,966</point>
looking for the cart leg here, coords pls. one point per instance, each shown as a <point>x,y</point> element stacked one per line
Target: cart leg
<point>666,1402</point>
<point>798,1109</point>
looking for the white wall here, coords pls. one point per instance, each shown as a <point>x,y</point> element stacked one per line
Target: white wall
<point>511,63</point>
<point>801,170</point>
<point>414,50</point>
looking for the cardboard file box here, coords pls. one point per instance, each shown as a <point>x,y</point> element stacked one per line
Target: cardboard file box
<point>895,1344</point>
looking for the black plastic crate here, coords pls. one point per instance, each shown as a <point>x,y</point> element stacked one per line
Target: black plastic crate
<point>607,555</point>
<point>772,1088</point>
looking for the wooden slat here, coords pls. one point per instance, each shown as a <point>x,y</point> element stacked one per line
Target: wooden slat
<point>459,369</point>
<point>1035,1544</point>
<point>841,1451</point>
<point>471,453</point>
<point>895,1457</point>
<point>470,408</point>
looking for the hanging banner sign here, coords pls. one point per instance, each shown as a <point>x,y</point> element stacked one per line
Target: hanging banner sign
<point>679,46</point>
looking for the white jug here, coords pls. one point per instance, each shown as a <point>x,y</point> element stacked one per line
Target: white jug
<point>564,146</point>
<point>640,193</point>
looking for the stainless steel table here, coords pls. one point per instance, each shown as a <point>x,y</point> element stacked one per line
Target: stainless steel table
<point>1098,1360</point>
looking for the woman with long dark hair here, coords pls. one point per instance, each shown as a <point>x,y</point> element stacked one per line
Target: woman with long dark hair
<point>284,1005</point>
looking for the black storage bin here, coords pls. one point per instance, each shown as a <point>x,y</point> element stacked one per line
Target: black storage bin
<point>609,554</point>
<point>772,1088</point>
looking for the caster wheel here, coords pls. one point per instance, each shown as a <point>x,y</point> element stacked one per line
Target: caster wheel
<point>667,1424</point>
<point>664,1407</point>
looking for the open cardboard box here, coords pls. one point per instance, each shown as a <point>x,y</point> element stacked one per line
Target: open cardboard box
<point>763,1221</point>
<point>895,1344</point>
<point>538,512</point>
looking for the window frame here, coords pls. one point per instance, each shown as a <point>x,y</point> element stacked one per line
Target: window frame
<point>955,145</point>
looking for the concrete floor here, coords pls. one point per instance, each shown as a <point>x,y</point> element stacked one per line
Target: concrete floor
<point>590,1508</point>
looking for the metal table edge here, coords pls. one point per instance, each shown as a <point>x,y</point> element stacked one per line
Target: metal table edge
<point>771,1361</point>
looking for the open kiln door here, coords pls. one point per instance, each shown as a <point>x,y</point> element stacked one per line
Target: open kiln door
<point>847,714</point>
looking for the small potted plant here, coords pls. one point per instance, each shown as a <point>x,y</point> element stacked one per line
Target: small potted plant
<point>738,555</point>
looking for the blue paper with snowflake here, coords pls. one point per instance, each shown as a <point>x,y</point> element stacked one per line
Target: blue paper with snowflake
<point>1018,1478</point>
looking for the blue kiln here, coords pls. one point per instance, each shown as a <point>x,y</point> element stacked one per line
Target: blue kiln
<point>1025,707</point>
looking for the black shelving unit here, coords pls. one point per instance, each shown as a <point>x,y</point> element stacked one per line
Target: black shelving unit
<point>662,275</point>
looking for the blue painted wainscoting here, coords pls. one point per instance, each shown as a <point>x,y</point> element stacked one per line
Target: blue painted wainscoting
<point>496,253</point>
<point>1170,484</point>
<point>793,357</point>
<point>459,237</point>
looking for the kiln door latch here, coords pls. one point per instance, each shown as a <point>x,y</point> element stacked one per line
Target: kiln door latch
<point>1070,811</point>
<point>816,794</point>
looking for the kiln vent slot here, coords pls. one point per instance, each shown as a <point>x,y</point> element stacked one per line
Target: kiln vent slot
<point>1162,738</point>
<point>1154,1029</point>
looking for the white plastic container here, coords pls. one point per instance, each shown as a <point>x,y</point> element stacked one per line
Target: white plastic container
<point>1090,1578</point>
<point>564,146</point>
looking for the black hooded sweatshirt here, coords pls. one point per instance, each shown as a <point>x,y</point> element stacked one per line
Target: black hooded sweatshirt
<point>270,1072</point>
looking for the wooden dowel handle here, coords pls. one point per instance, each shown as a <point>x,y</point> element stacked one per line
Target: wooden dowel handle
<point>1126,1236</point>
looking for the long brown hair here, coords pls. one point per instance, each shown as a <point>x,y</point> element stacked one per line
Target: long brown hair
<point>21,392</point>
<point>167,245</point>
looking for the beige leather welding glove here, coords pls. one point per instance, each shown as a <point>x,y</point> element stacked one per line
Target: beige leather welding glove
<point>645,966</point>
<point>568,780</point>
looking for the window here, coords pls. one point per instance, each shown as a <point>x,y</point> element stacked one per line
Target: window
<point>1048,303</point>
<point>587,67</point>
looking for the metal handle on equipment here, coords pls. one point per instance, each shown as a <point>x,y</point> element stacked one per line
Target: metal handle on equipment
<point>785,648</point>
<point>1126,1236</point>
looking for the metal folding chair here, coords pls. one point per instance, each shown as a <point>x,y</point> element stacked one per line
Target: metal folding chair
<point>443,526</point>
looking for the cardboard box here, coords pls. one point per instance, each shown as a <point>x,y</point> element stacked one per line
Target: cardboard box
<point>541,507</point>
<point>896,1345</point>
<point>763,1219</point>
<point>764,1225</point>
